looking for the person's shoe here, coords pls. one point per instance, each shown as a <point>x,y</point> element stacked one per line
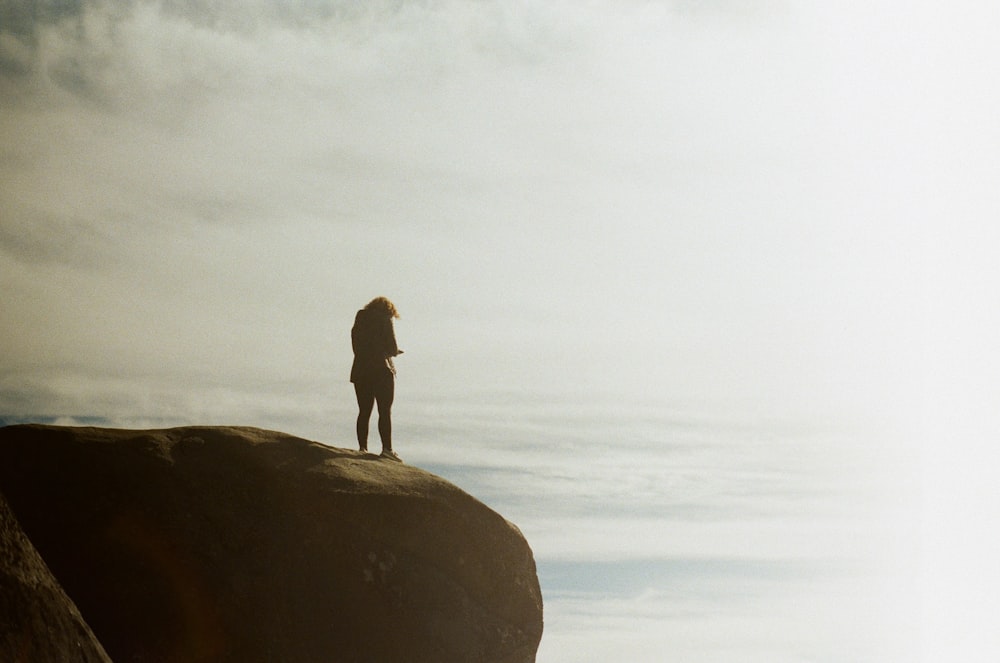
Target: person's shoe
<point>391,455</point>
<point>363,450</point>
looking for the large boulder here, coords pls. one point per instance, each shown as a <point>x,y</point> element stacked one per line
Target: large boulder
<point>239,544</point>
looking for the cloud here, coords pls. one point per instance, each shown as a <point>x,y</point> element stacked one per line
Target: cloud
<point>663,196</point>
<point>760,617</point>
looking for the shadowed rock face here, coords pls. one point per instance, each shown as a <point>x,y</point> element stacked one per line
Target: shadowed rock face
<point>237,544</point>
<point>38,622</point>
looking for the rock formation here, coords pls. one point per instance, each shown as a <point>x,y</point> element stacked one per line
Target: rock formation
<point>238,544</point>
<point>38,622</point>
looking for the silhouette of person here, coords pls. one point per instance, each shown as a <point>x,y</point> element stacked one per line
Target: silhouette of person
<point>373,372</point>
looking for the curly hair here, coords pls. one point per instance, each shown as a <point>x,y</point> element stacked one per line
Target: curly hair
<point>383,304</point>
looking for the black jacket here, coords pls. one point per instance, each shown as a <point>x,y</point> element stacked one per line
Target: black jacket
<point>374,343</point>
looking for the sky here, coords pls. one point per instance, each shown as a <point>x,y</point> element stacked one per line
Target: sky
<point>776,209</point>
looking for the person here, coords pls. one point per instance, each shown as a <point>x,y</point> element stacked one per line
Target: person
<point>373,372</point>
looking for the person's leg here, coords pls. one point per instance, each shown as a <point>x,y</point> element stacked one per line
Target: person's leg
<point>384,395</point>
<point>366,401</point>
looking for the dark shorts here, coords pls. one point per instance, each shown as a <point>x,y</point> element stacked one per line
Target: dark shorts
<point>379,391</point>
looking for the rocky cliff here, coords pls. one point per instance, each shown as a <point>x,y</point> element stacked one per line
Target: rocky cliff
<point>238,544</point>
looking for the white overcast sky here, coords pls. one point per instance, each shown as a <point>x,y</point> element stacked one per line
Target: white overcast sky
<point>779,206</point>
<point>723,200</point>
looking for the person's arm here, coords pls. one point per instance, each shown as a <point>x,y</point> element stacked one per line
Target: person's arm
<point>354,334</point>
<point>391,348</point>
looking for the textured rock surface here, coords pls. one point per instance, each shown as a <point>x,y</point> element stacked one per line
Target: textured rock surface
<point>38,622</point>
<point>238,544</point>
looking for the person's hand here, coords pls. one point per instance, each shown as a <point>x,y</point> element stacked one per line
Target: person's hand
<point>399,352</point>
